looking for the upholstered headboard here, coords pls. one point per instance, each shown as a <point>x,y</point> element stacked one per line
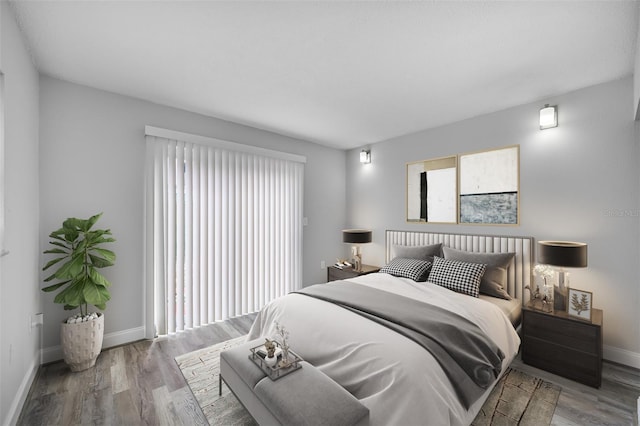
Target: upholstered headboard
<point>519,273</point>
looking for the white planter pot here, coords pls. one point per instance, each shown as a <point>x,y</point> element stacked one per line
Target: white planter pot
<point>271,361</point>
<point>82,343</point>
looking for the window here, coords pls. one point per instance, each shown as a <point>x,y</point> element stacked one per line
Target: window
<point>223,231</point>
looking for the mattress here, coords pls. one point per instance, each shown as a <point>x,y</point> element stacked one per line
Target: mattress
<point>511,308</point>
<point>398,380</point>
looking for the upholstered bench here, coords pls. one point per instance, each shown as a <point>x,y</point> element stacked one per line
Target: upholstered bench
<point>304,397</point>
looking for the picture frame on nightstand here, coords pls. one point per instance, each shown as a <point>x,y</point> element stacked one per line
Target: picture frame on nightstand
<point>579,304</point>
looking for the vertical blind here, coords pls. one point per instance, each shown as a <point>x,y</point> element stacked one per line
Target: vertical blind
<point>224,231</point>
<point>3,251</point>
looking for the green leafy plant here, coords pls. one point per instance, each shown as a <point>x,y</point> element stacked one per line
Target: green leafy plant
<point>80,254</point>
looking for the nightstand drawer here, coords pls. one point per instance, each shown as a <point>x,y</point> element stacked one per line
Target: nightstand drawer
<point>563,345</point>
<point>564,332</point>
<point>341,274</point>
<point>334,274</point>
<point>575,365</point>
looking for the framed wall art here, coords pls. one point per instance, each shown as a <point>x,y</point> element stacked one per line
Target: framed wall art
<point>490,186</point>
<point>432,191</point>
<point>580,303</point>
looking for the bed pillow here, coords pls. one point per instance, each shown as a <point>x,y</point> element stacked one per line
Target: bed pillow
<point>418,252</point>
<point>494,280</point>
<point>461,277</point>
<point>415,269</point>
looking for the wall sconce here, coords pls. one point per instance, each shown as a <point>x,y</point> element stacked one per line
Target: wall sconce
<point>365,156</point>
<point>548,117</point>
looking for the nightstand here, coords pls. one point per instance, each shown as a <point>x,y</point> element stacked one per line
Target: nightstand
<point>334,273</point>
<point>564,345</point>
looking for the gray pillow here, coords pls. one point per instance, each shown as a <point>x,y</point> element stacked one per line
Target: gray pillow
<point>418,252</point>
<point>494,279</point>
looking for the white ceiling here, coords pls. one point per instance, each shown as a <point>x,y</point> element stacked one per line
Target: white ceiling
<point>343,74</point>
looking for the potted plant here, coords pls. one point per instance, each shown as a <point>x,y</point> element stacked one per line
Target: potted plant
<point>79,255</point>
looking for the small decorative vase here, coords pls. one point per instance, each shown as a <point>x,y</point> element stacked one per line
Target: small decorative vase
<point>547,298</point>
<point>270,361</point>
<point>285,355</point>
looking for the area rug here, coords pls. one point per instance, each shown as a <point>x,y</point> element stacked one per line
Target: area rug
<point>518,399</point>
<point>201,370</point>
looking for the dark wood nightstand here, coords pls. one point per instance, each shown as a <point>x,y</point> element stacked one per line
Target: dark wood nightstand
<point>334,273</point>
<point>564,345</point>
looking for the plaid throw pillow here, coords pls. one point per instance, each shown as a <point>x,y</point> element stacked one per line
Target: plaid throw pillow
<point>415,269</point>
<point>461,277</point>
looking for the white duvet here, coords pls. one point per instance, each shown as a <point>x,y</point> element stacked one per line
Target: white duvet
<point>398,380</point>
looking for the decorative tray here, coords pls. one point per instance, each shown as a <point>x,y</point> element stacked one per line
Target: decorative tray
<point>258,354</point>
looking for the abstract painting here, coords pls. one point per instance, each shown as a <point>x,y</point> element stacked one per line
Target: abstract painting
<point>489,186</point>
<point>432,191</point>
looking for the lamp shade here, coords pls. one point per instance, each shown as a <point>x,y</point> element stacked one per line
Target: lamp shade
<point>356,236</point>
<point>567,254</point>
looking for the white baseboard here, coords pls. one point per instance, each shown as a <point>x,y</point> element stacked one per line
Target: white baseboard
<point>54,353</point>
<point>621,356</point>
<point>23,391</point>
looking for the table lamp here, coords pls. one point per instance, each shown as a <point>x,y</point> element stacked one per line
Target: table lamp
<point>565,254</point>
<point>356,237</point>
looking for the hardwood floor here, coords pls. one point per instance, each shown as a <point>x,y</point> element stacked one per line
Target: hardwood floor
<point>140,384</point>
<point>134,384</point>
<point>614,403</point>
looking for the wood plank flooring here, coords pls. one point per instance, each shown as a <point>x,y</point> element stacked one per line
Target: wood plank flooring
<point>614,403</point>
<point>134,384</point>
<point>140,384</point>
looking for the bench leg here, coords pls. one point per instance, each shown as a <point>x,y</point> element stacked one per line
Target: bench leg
<point>219,385</point>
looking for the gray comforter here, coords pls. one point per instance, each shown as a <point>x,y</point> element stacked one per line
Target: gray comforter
<point>471,361</point>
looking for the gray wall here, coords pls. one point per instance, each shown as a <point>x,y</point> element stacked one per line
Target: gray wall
<point>579,181</point>
<point>92,160</point>
<point>636,76</point>
<point>19,277</point>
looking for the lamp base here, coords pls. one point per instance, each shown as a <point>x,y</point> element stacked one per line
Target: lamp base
<point>356,260</point>
<point>561,292</point>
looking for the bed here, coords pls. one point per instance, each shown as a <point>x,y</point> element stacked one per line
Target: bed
<point>392,375</point>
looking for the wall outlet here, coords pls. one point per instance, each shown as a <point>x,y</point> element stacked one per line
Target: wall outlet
<point>37,319</point>
<point>323,264</point>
